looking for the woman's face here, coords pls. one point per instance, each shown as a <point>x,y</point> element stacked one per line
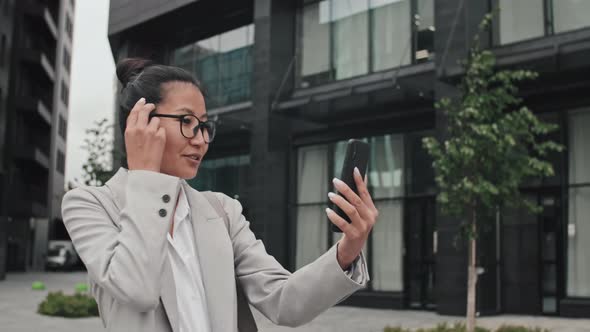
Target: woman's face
<point>180,152</point>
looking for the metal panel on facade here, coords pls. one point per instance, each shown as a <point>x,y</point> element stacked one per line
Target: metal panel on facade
<point>124,14</point>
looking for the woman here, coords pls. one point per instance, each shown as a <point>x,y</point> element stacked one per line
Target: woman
<point>162,256</point>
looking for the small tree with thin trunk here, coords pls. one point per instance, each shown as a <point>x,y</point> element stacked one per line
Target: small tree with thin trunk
<point>492,145</point>
<point>100,148</point>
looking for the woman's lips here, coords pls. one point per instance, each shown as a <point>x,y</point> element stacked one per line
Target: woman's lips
<point>192,160</point>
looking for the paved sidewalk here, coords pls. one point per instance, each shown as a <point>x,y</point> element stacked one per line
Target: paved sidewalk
<point>18,305</point>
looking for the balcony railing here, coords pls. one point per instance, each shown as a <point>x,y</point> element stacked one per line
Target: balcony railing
<point>34,154</point>
<point>43,15</point>
<point>51,23</point>
<point>36,109</point>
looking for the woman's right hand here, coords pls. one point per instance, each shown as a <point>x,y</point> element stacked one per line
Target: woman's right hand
<point>144,139</point>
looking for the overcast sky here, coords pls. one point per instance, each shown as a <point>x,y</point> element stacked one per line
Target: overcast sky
<point>92,83</point>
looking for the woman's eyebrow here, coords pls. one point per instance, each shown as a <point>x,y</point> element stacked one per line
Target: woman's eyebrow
<point>185,110</point>
<point>203,117</point>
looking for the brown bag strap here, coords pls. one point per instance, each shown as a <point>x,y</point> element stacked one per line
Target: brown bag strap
<point>246,322</point>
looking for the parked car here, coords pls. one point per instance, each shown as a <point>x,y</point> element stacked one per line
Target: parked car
<point>61,255</point>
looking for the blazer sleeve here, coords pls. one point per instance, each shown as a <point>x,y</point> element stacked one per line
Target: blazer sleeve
<point>289,299</point>
<point>125,256</point>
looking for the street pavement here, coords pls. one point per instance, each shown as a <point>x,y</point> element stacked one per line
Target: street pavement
<point>18,306</point>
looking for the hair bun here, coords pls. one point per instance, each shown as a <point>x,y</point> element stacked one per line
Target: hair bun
<point>128,68</point>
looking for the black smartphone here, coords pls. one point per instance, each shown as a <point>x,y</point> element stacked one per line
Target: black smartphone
<point>357,155</point>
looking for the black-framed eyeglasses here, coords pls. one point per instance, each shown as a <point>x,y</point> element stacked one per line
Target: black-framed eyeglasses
<point>190,125</point>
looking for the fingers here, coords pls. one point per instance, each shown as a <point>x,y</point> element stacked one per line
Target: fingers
<point>132,117</point>
<point>344,226</point>
<point>139,114</point>
<point>353,212</point>
<point>153,125</point>
<point>348,193</point>
<point>143,116</point>
<point>363,190</point>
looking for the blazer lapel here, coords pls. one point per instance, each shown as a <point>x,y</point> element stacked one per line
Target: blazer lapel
<point>215,252</point>
<point>168,291</point>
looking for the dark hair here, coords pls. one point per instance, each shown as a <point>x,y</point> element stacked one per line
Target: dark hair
<point>143,78</point>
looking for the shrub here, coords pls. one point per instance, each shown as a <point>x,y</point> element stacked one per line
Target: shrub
<point>461,328</point>
<point>71,306</point>
<point>512,328</point>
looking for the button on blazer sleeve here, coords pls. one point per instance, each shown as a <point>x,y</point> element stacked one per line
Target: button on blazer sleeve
<point>289,299</point>
<point>123,256</point>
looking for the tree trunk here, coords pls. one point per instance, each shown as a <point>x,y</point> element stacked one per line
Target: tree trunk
<point>472,275</point>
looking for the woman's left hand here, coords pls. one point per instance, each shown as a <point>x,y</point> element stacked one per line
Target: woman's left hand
<point>362,212</point>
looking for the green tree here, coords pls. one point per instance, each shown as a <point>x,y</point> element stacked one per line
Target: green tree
<point>492,145</point>
<point>100,148</point>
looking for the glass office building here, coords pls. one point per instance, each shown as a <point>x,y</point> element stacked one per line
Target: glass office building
<point>291,81</point>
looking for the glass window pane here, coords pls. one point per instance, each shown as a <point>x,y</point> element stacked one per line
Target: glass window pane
<point>350,31</point>
<point>520,20</point>
<point>549,278</point>
<point>425,38</point>
<point>391,34</point>
<point>579,205</point>
<point>234,39</point>
<point>386,166</point>
<point>312,174</point>
<point>222,63</point>
<point>380,3</point>
<point>387,247</point>
<point>420,175</point>
<point>571,14</point>
<point>549,304</point>
<point>578,264</point>
<point>227,175</point>
<point>426,13</point>
<point>207,47</point>
<point>316,41</point>
<point>579,148</point>
<point>312,237</point>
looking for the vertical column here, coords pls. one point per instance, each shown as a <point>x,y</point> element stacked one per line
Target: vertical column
<point>274,22</point>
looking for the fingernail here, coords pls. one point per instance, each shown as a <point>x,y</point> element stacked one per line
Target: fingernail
<point>337,182</point>
<point>331,195</point>
<point>328,210</point>
<point>357,172</point>
<point>142,100</point>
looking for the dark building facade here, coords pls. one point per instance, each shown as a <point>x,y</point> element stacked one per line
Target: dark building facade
<point>291,81</point>
<point>35,57</point>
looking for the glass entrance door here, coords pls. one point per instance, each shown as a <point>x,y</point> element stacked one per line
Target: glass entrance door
<point>420,242</point>
<point>549,240</point>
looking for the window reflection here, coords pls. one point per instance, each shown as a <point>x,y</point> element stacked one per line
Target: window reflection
<point>223,64</point>
<point>526,19</point>
<point>571,14</point>
<point>227,175</point>
<point>350,31</point>
<point>520,20</point>
<point>391,36</point>
<point>425,27</point>
<point>343,38</point>
<point>386,177</point>
<point>578,265</point>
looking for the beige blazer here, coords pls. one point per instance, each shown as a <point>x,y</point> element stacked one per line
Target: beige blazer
<point>119,231</point>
